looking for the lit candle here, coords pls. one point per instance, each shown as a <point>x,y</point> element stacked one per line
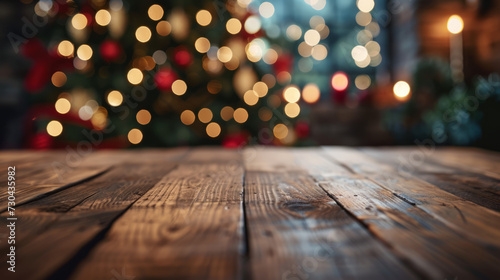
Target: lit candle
<point>455,26</point>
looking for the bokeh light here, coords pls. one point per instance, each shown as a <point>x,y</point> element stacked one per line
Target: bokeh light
<point>143,117</point>
<point>205,115</point>
<point>143,34</point>
<point>79,21</point>
<point>311,93</point>
<point>103,17</point>
<point>340,81</point>
<point>455,24</point>
<point>233,26</point>
<point>203,17</point>
<point>179,87</point>
<point>240,115</point>
<point>54,128</point>
<point>213,129</point>
<point>188,117</point>
<point>63,106</point>
<point>401,90</point>
<point>135,76</point>
<point>155,12</point>
<point>114,98</point>
<point>135,136</point>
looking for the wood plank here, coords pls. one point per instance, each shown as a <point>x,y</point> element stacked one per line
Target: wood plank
<point>477,223</point>
<point>47,174</point>
<point>65,225</point>
<point>296,231</point>
<point>470,159</point>
<point>188,226</point>
<point>475,187</point>
<point>429,245</point>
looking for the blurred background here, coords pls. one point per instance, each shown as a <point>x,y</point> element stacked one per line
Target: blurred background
<point>121,73</point>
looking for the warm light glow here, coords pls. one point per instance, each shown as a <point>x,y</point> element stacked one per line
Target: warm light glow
<point>155,12</point>
<point>143,34</point>
<point>363,19</point>
<point>179,87</point>
<point>311,93</point>
<point>315,21</point>
<point>359,53</point>
<point>213,129</point>
<point>224,54</point>
<point>253,24</point>
<point>362,82</point>
<point>319,52</point>
<point>135,136</point>
<point>54,128</point>
<point>271,56</point>
<point>65,48</point>
<point>143,117</point>
<point>455,24</point>
<point>63,106</point>
<point>266,10</point>
<point>292,110</point>
<point>294,32</point>
<point>115,98</point>
<point>187,117</point>
<point>226,113</point>
<point>401,90</point>
<point>205,115</point>
<point>135,76</point>
<point>84,52</point>
<point>100,118</point>
<point>312,37</point>
<point>85,112</point>
<point>79,21</point>
<point>203,17</point>
<point>291,94</point>
<point>280,131</point>
<point>373,48</point>
<point>59,79</point>
<point>103,17</point>
<point>163,28</point>
<point>233,26</point>
<point>261,89</point>
<point>305,50</point>
<point>202,45</point>
<point>366,5</point>
<point>240,115</point>
<point>340,81</point>
<point>250,97</point>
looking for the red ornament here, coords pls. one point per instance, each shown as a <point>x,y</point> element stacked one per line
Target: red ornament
<point>183,57</point>
<point>302,129</point>
<point>284,63</point>
<point>41,141</point>
<point>164,78</point>
<point>45,63</point>
<point>235,140</point>
<point>110,50</point>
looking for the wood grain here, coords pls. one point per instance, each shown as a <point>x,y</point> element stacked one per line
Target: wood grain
<point>296,231</point>
<point>63,225</point>
<point>475,187</point>
<point>426,244</point>
<point>188,226</point>
<point>257,213</point>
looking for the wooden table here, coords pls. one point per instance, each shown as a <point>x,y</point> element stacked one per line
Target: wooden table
<point>256,213</point>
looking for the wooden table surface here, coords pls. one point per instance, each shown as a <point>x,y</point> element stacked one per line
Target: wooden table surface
<point>255,213</point>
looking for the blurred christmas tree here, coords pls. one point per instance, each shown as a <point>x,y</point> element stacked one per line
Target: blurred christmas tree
<point>117,73</point>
